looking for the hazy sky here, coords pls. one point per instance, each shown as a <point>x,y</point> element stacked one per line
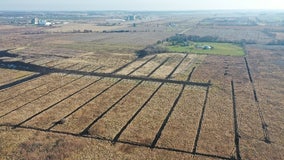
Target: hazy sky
<point>139,4</point>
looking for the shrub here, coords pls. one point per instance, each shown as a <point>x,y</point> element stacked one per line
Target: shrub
<point>151,49</point>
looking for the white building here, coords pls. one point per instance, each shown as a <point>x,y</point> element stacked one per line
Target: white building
<point>35,21</point>
<point>41,22</point>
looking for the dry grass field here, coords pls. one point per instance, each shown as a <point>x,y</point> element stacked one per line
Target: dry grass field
<point>88,96</point>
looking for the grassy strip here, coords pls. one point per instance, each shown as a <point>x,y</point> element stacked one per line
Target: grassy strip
<point>227,49</point>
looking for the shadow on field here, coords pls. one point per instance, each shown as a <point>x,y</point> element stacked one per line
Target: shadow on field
<point>122,142</point>
<point>5,53</point>
<point>200,121</point>
<point>34,76</point>
<point>42,70</point>
<point>236,128</point>
<point>266,137</point>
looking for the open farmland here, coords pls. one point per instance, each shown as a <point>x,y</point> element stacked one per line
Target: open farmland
<point>88,95</point>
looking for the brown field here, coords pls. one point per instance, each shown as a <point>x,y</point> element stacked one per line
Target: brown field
<point>87,96</point>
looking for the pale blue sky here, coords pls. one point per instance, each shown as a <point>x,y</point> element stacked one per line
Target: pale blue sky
<point>139,4</point>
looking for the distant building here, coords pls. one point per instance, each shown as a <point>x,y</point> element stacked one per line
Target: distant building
<point>48,23</point>
<point>207,47</point>
<point>35,21</point>
<point>131,18</point>
<point>41,22</point>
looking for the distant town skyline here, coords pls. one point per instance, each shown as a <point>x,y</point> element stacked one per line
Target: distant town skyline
<point>143,5</point>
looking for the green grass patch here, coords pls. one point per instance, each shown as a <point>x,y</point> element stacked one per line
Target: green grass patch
<point>227,49</point>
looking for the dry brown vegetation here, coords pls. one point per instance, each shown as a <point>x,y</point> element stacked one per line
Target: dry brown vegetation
<point>87,95</point>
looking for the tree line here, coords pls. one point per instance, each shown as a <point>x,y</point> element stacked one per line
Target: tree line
<point>183,40</point>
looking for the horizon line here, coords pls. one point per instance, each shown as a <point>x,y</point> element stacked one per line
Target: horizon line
<point>126,10</point>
